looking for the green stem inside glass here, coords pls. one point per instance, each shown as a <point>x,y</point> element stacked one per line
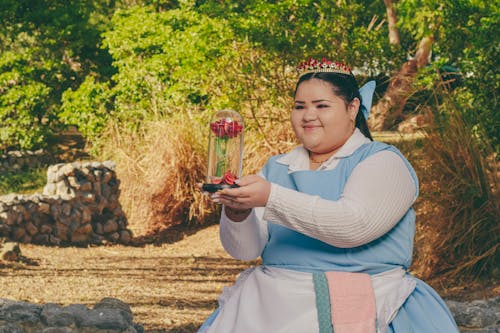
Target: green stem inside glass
<point>221,153</point>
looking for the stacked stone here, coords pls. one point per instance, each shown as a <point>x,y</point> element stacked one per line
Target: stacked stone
<point>110,315</point>
<point>478,316</point>
<point>17,160</point>
<point>79,205</point>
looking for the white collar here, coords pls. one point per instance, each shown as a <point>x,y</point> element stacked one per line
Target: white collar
<point>298,158</point>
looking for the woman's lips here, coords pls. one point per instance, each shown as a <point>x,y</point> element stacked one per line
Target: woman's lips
<point>309,127</point>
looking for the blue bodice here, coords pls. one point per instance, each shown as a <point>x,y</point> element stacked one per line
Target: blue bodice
<point>289,249</point>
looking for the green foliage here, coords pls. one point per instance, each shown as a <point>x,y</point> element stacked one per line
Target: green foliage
<point>159,57</point>
<point>22,124</point>
<point>295,29</point>
<point>87,107</point>
<point>22,101</point>
<point>171,60</point>
<point>196,58</point>
<point>47,46</point>
<point>476,38</point>
<point>466,41</point>
<point>23,181</point>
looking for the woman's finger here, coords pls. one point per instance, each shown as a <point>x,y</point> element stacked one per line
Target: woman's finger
<point>240,192</point>
<point>247,180</point>
<point>232,202</point>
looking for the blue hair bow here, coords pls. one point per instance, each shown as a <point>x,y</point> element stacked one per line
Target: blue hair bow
<point>366,92</point>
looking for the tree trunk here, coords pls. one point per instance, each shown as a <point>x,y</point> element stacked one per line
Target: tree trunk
<point>389,109</point>
<point>391,18</point>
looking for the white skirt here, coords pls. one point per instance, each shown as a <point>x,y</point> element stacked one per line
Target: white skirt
<point>269,299</point>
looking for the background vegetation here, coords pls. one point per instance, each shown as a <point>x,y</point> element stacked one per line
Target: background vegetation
<point>141,78</point>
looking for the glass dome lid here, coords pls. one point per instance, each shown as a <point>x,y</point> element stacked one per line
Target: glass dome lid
<point>225,151</point>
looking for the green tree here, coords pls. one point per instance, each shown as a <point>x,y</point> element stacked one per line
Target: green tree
<point>167,62</point>
<point>295,29</point>
<point>158,55</point>
<point>466,50</point>
<point>46,47</point>
<point>88,107</point>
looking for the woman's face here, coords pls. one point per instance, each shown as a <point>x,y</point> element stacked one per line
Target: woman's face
<point>321,120</point>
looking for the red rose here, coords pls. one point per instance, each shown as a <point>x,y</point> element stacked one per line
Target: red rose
<point>226,128</point>
<point>229,178</point>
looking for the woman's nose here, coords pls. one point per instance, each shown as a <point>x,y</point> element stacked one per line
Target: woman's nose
<point>310,114</point>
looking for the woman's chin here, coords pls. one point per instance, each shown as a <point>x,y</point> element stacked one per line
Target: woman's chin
<point>311,146</point>
<point>310,141</point>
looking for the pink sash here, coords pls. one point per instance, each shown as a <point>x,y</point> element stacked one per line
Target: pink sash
<point>352,302</point>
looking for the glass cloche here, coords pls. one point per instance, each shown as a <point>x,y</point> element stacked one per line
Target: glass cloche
<point>225,151</point>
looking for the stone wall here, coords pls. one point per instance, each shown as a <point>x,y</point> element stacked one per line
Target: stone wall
<point>79,205</point>
<point>479,316</point>
<point>17,160</point>
<point>110,315</point>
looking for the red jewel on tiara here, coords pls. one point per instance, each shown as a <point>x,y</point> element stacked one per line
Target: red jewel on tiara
<point>312,65</point>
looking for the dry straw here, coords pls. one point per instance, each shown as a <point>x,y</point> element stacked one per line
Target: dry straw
<point>159,168</point>
<point>464,193</point>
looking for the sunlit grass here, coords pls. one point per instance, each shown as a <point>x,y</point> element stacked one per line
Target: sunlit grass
<point>23,181</point>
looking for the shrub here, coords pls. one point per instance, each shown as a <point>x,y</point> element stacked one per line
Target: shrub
<point>460,187</point>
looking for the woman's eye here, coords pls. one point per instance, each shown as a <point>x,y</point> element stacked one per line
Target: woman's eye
<point>298,107</point>
<point>322,106</point>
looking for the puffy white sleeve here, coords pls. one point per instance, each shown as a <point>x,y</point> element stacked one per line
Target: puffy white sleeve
<point>378,193</point>
<point>244,240</point>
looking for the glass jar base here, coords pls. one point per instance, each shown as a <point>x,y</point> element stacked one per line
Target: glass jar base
<point>212,188</point>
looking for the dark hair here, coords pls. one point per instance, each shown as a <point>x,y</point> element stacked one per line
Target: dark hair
<point>344,86</point>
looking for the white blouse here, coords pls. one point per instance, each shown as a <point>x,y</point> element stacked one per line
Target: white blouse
<point>378,193</point>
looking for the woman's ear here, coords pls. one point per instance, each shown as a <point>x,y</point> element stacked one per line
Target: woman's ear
<point>353,108</point>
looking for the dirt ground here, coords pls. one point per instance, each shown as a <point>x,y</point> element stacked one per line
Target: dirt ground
<point>170,287</point>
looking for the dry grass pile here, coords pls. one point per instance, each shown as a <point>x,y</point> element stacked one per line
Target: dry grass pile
<point>277,138</point>
<point>159,169</point>
<point>461,211</point>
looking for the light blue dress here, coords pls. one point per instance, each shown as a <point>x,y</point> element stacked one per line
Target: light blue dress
<point>423,311</point>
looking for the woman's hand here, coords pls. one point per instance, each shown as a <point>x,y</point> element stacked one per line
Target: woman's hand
<point>253,192</point>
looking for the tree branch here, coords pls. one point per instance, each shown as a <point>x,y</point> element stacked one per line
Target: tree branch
<point>391,18</point>
<point>389,109</point>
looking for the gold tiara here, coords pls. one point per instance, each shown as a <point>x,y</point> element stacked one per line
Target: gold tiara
<point>325,65</point>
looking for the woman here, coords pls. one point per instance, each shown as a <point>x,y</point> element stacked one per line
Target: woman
<point>333,223</point>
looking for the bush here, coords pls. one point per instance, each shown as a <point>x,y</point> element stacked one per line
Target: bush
<point>88,108</point>
<point>460,188</point>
